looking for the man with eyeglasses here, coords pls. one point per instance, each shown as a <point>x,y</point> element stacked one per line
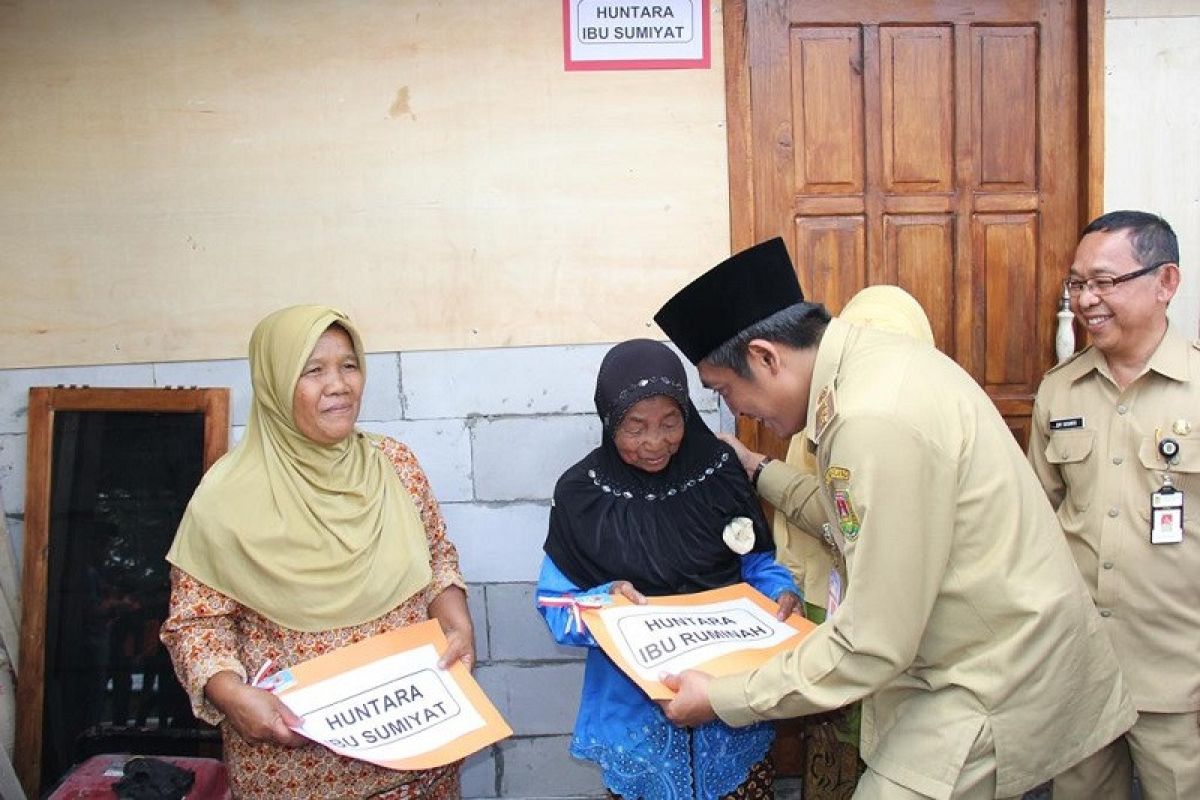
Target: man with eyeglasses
<point>1116,445</point>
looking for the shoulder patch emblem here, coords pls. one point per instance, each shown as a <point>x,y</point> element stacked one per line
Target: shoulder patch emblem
<point>826,408</point>
<point>848,521</point>
<point>837,474</point>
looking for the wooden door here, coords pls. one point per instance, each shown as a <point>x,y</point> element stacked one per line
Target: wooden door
<point>933,145</point>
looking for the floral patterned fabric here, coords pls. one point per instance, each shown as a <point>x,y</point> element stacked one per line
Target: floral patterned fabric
<point>208,632</point>
<point>759,784</point>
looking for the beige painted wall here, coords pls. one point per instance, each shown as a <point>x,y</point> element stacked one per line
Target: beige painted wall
<point>171,170</point>
<point>1152,126</point>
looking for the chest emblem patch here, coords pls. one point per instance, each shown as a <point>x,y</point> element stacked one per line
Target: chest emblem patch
<point>848,522</point>
<point>836,474</point>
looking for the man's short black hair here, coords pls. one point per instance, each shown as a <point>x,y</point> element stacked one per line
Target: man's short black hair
<point>1151,238</point>
<point>800,325</point>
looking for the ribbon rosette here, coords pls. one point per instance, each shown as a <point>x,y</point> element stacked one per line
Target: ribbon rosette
<point>739,535</point>
<point>576,604</point>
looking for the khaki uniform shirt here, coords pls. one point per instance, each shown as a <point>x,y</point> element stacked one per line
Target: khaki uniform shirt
<point>804,550</point>
<point>1094,447</point>
<point>964,605</point>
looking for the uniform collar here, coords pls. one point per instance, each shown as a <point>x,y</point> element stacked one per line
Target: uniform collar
<point>1169,359</point>
<point>824,377</point>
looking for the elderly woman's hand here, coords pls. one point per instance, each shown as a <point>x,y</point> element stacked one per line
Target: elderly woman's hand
<point>788,603</point>
<point>450,610</point>
<point>257,715</point>
<point>626,590</point>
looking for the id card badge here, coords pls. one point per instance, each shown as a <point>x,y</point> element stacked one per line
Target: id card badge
<point>1166,516</point>
<point>835,592</point>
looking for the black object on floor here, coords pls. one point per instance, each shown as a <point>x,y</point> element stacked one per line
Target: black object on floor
<point>153,779</point>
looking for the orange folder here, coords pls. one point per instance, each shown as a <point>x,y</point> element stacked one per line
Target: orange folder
<point>385,701</point>
<point>721,632</point>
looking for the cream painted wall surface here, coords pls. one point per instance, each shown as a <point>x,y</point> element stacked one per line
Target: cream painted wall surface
<point>171,170</point>
<point>1152,126</point>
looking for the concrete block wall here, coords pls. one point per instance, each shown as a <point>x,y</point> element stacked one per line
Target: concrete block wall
<point>493,429</point>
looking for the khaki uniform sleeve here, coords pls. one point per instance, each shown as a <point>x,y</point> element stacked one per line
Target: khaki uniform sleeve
<point>1039,436</point>
<point>903,490</point>
<point>795,494</point>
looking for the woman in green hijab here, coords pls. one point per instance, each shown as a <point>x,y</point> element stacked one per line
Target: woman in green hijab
<point>308,536</point>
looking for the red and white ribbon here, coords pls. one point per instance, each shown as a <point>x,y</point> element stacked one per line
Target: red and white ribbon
<point>576,604</point>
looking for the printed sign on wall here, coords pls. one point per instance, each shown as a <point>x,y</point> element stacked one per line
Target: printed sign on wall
<point>622,34</point>
<point>721,632</point>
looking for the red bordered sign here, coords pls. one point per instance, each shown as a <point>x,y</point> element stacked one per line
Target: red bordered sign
<point>633,34</point>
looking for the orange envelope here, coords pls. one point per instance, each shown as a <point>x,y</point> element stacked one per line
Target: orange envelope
<point>721,631</point>
<point>384,700</point>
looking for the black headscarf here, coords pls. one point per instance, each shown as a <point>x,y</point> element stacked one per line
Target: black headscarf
<point>661,531</point>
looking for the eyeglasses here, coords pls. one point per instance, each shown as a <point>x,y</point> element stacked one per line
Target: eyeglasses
<point>1104,284</point>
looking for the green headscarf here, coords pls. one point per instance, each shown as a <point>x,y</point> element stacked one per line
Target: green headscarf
<point>309,536</point>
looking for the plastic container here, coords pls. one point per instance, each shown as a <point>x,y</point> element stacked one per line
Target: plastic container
<point>94,778</point>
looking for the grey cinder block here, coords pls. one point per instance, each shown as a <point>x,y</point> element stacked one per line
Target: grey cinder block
<point>498,543</point>
<point>541,767</point>
<point>517,631</point>
<point>521,458</point>
<point>443,448</point>
<point>536,700</point>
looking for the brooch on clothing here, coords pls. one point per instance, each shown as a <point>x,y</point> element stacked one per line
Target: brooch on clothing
<point>739,535</point>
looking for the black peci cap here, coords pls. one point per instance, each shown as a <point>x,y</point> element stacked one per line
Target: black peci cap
<point>744,289</point>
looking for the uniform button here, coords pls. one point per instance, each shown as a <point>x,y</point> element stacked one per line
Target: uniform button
<point>1108,565</point>
<point>1105,613</point>
<point>1118,459</point>
<point>1112,512</point>
<point>1121,409</point>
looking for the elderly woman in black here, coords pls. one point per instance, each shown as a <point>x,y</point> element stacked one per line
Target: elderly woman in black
<point>645,513</point>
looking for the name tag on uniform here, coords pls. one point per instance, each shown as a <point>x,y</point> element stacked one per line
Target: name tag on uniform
<point>1066,423</point>
<point>1166,516</point>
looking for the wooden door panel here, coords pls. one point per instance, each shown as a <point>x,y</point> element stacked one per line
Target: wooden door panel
<point>1005,89</point>
<point>917,89</point>
<point>830,260</point>
<point>827,110</point>
<point>1020,425</point>
<point>1006,250</point>
<point>919,258</point>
